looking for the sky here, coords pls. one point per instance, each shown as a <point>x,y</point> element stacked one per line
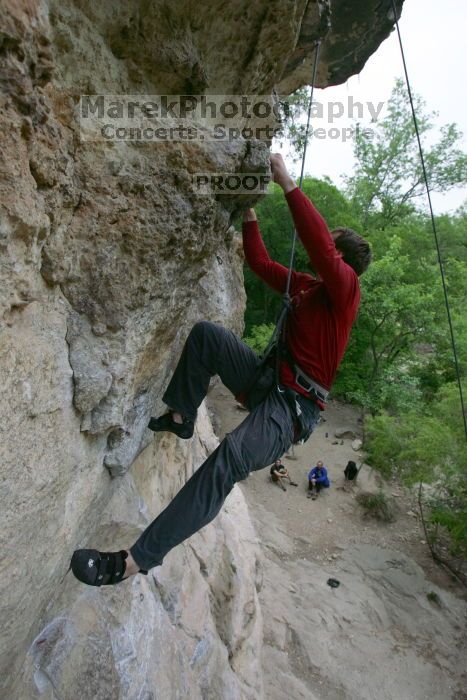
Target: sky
<point>433,35</point>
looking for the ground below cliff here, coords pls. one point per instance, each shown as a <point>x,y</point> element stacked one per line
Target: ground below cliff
<point>381,635</point>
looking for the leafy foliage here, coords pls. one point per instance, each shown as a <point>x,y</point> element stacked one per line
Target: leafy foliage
<point>415,445</point>
<point>389,175</point>
<point>427,445</point>
<point>454,520</point>
<point>259,337</point>
<point>293,129</point>
<point>377,506</point>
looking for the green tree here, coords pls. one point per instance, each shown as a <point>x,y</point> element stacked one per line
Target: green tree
<point>293,122</point>
<point>400,307</point>
<point>388,177</point>
<point>259,337</point>
<point>427,444</point>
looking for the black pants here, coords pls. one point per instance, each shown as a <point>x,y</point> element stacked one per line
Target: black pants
<point>315,487</point>
<point>264,436</point>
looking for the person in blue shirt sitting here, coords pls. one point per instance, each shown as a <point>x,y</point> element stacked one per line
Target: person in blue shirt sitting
<point>317,479</point>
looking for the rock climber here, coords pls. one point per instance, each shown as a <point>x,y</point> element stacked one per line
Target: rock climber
<point>278,473</point>
<point>323,309</point>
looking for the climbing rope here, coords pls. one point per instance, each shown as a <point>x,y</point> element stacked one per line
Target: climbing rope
<point>433,222</point>
<point>277,340</point>
<point>300,183</point>
<point>279,330</point>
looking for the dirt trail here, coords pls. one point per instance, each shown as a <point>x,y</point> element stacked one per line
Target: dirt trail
<point>377,636</point>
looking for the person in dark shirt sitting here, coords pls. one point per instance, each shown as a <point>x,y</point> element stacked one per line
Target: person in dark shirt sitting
<point>317,480</point>
<point>278,473</point>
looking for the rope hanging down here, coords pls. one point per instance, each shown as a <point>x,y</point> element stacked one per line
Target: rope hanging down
<point>277,340</point>
<point>433,222</point>
<point>280,325</point>
<point>307,131</point>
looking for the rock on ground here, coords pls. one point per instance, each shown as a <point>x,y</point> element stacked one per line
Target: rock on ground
<point>345,432</point>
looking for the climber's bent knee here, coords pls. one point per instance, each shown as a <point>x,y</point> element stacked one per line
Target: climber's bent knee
<point>264,436</point>
<point>204,327</point>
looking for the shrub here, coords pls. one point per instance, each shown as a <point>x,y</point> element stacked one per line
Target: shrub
<point>259,337</point>
<point>453,517</point>
<point>433,597</point>
<point>377,506</point>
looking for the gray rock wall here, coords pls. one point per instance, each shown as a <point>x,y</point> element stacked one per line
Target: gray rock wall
<point>107,259</point>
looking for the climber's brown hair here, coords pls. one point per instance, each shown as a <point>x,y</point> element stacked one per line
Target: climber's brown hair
<point>355,250</point>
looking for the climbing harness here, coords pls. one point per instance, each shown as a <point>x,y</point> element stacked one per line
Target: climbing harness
<point>433,222</point>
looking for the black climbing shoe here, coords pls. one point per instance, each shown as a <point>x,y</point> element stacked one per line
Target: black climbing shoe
<point>166,423</point>
<point>99,568</point>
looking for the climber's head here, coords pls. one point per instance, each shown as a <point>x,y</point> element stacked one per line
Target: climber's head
<point>355,249</point>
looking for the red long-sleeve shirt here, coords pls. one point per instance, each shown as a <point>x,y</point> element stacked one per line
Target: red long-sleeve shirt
<point>324,309</point>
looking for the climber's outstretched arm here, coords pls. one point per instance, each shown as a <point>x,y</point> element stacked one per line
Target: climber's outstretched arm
<point>257,257</point>
<point>338,277</point>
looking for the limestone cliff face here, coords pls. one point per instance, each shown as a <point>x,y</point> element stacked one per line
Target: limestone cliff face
<point>107,258</point>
